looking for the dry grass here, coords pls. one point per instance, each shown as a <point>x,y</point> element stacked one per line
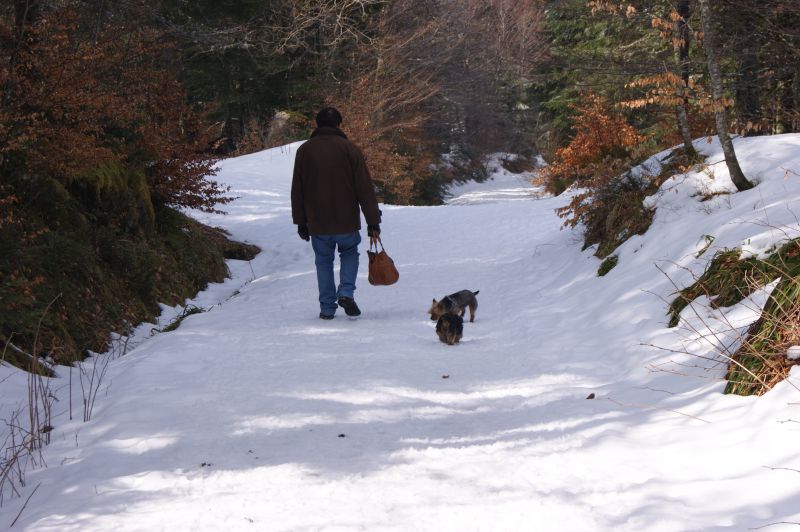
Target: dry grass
<point>760,361</point>
<point>763,351</point>
<point>28,428</point>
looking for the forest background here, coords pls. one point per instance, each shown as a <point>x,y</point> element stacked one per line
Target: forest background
<point>112,115</point>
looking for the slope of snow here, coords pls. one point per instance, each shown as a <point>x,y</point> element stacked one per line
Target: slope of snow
<point>500,185</point>
<point>256,415</point>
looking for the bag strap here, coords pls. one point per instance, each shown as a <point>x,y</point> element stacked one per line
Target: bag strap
<point>374,241</point>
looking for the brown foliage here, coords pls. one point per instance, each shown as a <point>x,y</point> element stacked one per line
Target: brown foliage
<point>384,110</point>
<point>602,149</point>
<point>669,90</point>
<point>436,77</point>
<point>70,103</point>
<point>603,141</point>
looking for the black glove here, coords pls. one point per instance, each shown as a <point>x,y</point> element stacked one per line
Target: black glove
<point>373,230</point>
<point>302,230</point>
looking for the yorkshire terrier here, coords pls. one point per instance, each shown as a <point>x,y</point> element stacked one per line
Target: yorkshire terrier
<point>450,327</point>
<point>455,304</point>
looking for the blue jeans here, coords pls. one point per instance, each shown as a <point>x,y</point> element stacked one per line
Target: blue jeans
<point>324,251</point>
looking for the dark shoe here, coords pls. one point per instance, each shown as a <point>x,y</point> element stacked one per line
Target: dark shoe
<point>349,306</point>
<point>325,316</point>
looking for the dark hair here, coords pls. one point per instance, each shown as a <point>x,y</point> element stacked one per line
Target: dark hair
<point>329,117</point>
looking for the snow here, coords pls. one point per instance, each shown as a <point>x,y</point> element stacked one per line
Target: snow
<point>500,185</point>
<point>256,415</point>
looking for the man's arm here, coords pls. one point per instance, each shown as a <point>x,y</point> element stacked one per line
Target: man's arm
<point>298,203</point>
<point>365,189</point>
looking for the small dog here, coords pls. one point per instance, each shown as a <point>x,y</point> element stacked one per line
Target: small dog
<point>455,304</point>
<point>450,327</point>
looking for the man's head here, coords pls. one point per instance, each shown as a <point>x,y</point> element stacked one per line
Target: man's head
<point>329,117</point>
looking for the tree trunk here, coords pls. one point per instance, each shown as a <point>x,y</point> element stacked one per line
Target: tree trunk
<point>786,100</point>
<point>795,111</point>
<point>717,92</point>
<point>101,15</point>
<point>685,131</point>
<point>682,110</point>
<point>748,86</point>
<point>26,12</point>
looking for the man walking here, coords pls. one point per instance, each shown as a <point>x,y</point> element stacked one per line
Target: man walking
<point>331,181</point>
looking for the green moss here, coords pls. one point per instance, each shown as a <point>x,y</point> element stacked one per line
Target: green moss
<point>107,176</point>
<point>607,265</point>
<point>112,195</point>
<point>104,260</point>
<point>761,362</point>
<point>728,280</point>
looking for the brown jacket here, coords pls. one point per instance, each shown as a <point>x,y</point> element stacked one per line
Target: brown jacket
<point>330,182</point>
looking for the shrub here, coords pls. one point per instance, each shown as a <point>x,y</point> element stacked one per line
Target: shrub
<point>616,213</point>
<point>602,147</point>
<point>97,143</point>
<point>609,199</point>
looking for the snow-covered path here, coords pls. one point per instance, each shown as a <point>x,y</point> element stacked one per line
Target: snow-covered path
<point>256,415</point>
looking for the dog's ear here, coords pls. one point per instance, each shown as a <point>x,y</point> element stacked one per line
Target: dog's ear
<point>434,300</point>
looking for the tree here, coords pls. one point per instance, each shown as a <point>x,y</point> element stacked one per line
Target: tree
<point>602,146</point>
<point>683,10</point>
<point>598,46</point>
<point>718,94</point>
<point>383,107</point>
<point>432,78</point>
<point>73,102</point>
<point>673,88</point>
<point>252,58</point>
<point>483,56</point>
<point>760,56</point>
<point>26,12</point>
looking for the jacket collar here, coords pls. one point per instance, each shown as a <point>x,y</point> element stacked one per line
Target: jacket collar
<point>328,131</point>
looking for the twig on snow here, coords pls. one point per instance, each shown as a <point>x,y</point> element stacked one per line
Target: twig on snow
<point>644,405</point>
<point>781,469</point>
<point>774,524</point>
<point>25,505</point>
